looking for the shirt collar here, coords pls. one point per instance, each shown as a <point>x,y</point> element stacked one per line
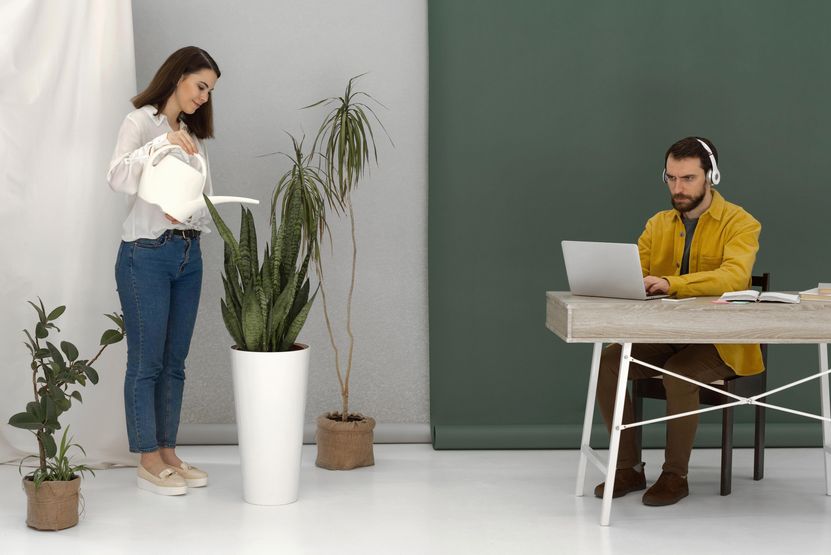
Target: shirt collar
<point>716,208</point>
<point>159,118</point>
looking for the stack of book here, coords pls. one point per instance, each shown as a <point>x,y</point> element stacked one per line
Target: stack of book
<point>821,292</point>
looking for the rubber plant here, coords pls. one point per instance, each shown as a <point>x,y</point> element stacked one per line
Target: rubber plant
<point>57,376</point>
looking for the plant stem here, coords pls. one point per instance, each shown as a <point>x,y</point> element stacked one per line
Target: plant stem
<point>37,365</point>
<point>351,211</point>
<point>41,450</point>
<point>89,363</point>
<point>343,392</point>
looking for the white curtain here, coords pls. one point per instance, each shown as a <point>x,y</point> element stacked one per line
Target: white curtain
<point>67,72</point>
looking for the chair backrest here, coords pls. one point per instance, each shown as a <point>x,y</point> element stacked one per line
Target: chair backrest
<point>761,281</point>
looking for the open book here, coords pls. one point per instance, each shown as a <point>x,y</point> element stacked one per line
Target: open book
<point>752,295</point>
<point>820,293</point>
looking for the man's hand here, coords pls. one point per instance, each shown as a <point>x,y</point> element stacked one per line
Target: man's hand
<point>655,285</point>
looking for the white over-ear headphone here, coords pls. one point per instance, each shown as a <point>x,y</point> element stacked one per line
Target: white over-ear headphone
<point>713,175</point>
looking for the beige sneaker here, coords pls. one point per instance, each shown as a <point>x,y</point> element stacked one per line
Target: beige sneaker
<point>168,482</point>
<point>194,477</point>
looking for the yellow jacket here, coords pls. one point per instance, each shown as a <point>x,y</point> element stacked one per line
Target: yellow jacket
<point>722,253</point>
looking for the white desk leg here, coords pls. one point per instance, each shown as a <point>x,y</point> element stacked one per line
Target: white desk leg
<point>614,440</point>
<point>588,419</point>
<point>826,413</point>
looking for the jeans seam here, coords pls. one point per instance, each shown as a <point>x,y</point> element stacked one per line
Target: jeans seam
<point>141,347</point>
<point>166,410</point>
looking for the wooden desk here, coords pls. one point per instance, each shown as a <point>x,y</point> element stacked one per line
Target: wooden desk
<point>598,320</point>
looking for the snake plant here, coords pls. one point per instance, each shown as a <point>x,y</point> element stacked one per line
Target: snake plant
<point>266,304</point>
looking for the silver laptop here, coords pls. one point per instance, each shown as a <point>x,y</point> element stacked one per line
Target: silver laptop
<point>605,270</point>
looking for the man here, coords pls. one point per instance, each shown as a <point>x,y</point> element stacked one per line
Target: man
<point>704,246</point>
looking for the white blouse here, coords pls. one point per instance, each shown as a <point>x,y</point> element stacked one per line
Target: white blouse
<point>141,133</point>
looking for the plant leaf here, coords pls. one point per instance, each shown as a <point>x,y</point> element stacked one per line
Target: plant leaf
<point>55,314</point>
<point>91,374</point>
<point>254,267</point>
<point>252,321</point>
<point>291,239</point>
<point>56,356</point>
<point>40,311</point>
<point>52,407</point>
<point>300,300</point>
<point>281,308</point>
<point>48,442</point>
<point>232,324</point>
<point>69,350</point>
<point>110,337</point>
<point>244,252</point>
<point>222,228</point>
<point>33,408</point>
<point>26,421</point>
<point>265,276</point>
<point>277,233</point>
<point>296,326</point>
<point>118,319</point>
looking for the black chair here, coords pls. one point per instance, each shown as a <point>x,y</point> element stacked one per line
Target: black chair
<point>746,386</point>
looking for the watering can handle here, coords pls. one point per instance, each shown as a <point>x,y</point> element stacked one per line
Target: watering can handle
<point>154,158</point>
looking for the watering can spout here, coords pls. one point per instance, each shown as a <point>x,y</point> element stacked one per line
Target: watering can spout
<point>186,210</point>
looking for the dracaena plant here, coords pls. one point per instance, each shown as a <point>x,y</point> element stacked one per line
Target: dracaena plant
<point>346,143</point>
<point>266,303</point>
<point>57,376</point>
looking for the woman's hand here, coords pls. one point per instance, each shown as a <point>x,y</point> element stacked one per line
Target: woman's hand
<point>183,139</point>
<point>171,219</point>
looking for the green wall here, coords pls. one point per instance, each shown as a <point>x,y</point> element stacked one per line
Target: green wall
<point>549,121</point>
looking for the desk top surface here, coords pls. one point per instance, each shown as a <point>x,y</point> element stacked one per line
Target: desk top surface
<point>578,319</point>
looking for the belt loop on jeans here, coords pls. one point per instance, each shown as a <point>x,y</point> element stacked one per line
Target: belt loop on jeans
<point>186,233</point>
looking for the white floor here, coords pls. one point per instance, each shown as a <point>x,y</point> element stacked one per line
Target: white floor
<point>419,501</point>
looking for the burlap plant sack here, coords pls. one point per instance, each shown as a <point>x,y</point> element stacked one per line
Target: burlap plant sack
<point>53,505</point>
<point>344,445</point>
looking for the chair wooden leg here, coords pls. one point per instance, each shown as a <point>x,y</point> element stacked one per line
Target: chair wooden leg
<point>759,445</point>
<point>726,451</point>
<point>637,414</point>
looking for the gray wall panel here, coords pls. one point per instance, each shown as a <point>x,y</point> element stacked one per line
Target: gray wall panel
<point>275,57</point>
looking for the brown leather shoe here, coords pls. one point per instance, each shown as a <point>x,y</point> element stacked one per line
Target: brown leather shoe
<point>626,480</point>
<point>669,489</point>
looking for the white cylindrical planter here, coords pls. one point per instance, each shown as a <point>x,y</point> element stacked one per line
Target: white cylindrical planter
<point>270,405</point>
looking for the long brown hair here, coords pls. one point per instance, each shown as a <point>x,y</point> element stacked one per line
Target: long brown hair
<point>184,61</point>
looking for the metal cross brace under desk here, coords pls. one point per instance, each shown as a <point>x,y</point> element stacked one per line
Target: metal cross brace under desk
<point>598,320</point>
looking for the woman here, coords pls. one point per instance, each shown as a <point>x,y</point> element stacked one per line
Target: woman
<point>159,266</point>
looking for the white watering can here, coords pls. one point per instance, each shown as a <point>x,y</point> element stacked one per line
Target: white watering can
<point>176,186</point>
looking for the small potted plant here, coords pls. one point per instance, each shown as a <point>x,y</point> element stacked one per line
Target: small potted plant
<point>52,488</point>
<point>347,146</point>
<point>265,306</point>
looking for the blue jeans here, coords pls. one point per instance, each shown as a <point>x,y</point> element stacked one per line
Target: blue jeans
<point>159,282</point>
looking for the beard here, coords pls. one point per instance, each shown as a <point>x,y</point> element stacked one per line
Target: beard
<point>687,203</point>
